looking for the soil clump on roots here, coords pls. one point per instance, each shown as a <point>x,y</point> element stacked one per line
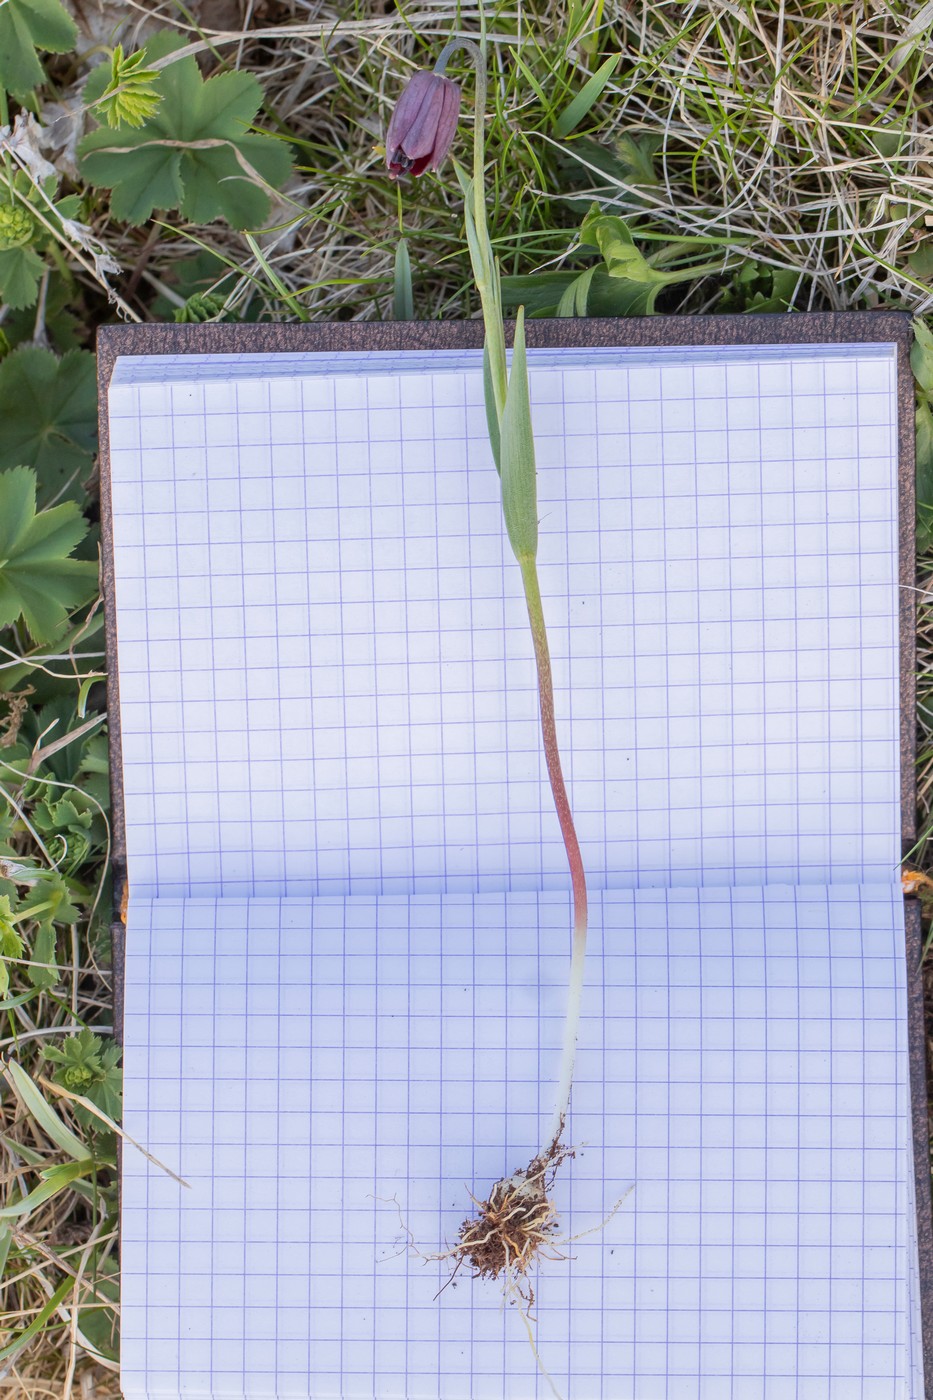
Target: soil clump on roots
<point>517,1222</point>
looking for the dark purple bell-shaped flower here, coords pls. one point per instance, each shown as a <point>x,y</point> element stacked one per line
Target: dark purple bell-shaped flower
<point>423,124</point>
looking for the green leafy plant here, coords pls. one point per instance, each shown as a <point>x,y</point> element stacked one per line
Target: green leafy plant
<point>40,1176</point>
<point>195,154</point>
<point>29,217</point>
<point>131,96</point>
<point>50,900</point>
<point>629,281</point>
<point>61,323</point>
<point>20,264</point>
<point>755,286</point>
<point>25,26</point>
<point>48,418</point>
<point>39,580</point>
<point>88,1065</point>
<point>47,903</point>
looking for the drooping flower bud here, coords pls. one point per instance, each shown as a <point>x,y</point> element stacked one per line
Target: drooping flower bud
<point>423,124</point>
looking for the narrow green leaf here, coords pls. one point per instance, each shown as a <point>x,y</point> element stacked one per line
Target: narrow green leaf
<point>403,302</point>
<point>924,426</point>
<point>83,692</point>
<point>42,971</point>
<point>46,1117</point>
<point>492,415</point>
<point>574,300</point>
<point>480,258</point>
<point>55,1180</point>
<point>21,1151</point>
<point>517,455</point>
<point>532,81</point>
<point>10,1004</point>
<point>575,111</point>
<point>24,1337</point>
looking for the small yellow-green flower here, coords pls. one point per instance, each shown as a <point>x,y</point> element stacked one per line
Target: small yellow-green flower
<point>17,225</point>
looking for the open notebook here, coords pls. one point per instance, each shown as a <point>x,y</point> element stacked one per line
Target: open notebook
<point>347,934</point>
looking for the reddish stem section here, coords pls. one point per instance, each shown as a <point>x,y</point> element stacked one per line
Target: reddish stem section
<point>551,750</point>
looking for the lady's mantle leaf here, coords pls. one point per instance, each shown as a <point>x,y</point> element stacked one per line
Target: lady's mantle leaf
<point>27,25</point>
<point>38,580</point>
<point>20,270</point>
<point>48,418</point>
<point>195,154</point>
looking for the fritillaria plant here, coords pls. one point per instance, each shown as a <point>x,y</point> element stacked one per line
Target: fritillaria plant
<point>517,1219</point>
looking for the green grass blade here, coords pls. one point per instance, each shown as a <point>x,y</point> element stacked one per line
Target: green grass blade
<point>591,91</point>
<point>24,1337</point>
<point>55,1179</point>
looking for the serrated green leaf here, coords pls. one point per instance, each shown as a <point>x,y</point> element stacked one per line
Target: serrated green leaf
<point>194,154</point>
<point>42,970</point>
<point>39,581</point>
<point>48,418</point>
<point>575,111</point>
<point>60,321</point>
<point>517,455</point>
<point>20,270</point>
<point>27,25</point>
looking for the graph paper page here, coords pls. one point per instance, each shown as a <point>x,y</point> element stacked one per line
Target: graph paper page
<point>328,1074</point>
<point>326,678</point>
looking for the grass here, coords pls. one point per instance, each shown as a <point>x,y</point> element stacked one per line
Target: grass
<point>783,147</point>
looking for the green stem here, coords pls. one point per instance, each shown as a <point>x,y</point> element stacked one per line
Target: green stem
<point>485,271</point>
<point>571,845</point>
<point>5,121</point>
<point>30,913</point>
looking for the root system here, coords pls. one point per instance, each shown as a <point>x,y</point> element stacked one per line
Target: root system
<point>515,1225</point>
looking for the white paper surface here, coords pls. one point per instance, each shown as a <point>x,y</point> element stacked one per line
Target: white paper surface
<point>331,1067</point>
<point>326,676</point>
<point>348,926</point>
